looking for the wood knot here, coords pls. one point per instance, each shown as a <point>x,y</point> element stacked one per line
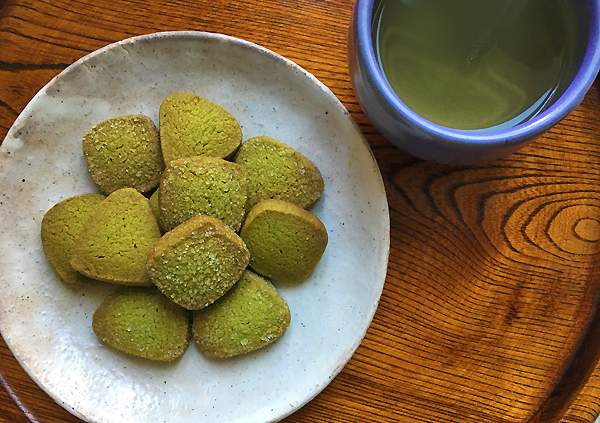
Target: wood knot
<point>587,229</point>
<point>575,229</point>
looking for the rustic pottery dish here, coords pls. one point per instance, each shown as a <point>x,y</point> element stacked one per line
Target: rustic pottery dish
<point>47,325</point>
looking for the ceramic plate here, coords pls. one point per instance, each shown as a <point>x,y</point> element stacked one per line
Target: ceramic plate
<point>48,325</point>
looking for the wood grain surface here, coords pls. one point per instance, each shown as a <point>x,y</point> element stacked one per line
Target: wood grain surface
<point>489,310</point>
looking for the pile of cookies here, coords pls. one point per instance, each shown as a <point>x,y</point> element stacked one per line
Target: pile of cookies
<point>217,209</point>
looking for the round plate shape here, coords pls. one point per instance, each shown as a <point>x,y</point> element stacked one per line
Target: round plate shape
<point>47,325</point>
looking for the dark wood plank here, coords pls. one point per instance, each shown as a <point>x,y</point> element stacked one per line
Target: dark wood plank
<point>489,309</point>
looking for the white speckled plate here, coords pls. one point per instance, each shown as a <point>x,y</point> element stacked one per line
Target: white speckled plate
<point>48,326</point>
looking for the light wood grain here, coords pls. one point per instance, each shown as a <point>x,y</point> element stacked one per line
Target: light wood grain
<point>494,269</point>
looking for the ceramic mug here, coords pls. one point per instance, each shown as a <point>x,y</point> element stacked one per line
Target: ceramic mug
<point>430,141</point>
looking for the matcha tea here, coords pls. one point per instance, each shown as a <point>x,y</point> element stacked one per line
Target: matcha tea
<point>473,64</point>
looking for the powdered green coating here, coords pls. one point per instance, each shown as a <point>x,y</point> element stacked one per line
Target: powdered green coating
<point>203,186</point>
<point>285,241</point>
<point>249,317</point>
<point>143,323</point>
<point>277,171</point>
<point>60,228</point>
<point>154,204</point>
<point>194,126</point>
<point>197,262</point>
<point>124,152</point>
<point>114,243</point>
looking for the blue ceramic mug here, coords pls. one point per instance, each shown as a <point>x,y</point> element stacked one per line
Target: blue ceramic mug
<point>430,141</point>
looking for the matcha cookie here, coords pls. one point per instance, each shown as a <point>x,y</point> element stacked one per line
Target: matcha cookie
<point>124,152</point>
<point>202,186</point>
<point>277,171</point>
<point>143,323</point>
<point>154,204</point>
<point>285,241</point>
<point>114,243</point>
<point>60,228</point>
<point>193,126</point>
<point>249,317</point>
<point>197,262</point>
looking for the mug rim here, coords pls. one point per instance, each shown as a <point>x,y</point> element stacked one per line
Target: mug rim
<point>569,99</point>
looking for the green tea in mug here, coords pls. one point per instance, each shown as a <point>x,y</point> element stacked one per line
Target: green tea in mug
<point>475,64</point>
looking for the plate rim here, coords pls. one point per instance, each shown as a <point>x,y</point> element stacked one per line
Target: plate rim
<point>206,35</point>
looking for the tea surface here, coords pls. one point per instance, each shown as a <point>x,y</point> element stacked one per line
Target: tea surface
<point>472,64</point>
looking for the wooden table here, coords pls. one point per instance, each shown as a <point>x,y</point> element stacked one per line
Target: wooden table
<point>494,270</point>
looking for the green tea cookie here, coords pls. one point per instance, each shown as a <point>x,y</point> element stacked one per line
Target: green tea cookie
<point>60,228</point>
<point>277,171</point>
<point>285,241</point>
<point>143,323</point>
<point>114,243</point>
<point>249,317</point>
<point>197,262</point>
<point>154,204</point>
<point>124,152</point>
<point>193,126</point>
<point>203,186</point>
